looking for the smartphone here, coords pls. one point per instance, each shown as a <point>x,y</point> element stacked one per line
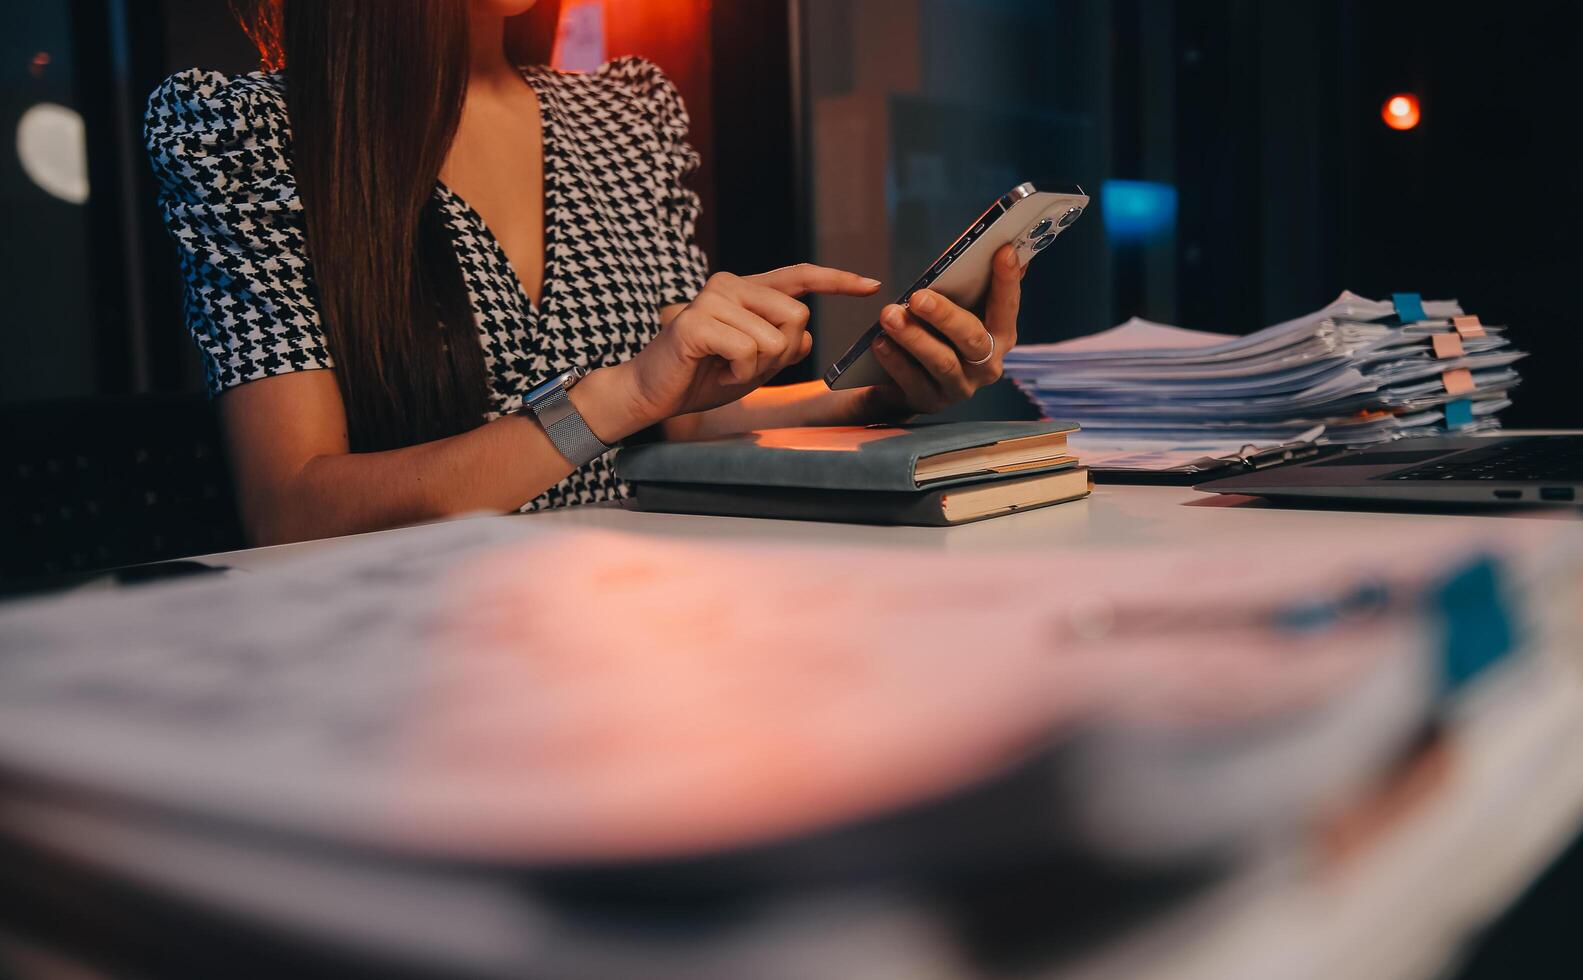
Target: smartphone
<point>1027,216</point>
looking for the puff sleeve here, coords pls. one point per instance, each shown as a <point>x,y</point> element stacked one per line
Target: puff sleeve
<point>220,148</point>
<point>683,265</point>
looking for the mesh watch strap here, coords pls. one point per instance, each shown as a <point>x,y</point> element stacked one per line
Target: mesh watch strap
<point>565,426</point>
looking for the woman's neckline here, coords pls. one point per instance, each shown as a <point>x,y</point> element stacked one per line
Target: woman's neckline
<point>549,181</point>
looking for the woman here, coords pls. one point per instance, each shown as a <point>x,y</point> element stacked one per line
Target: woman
<point>444,230</point>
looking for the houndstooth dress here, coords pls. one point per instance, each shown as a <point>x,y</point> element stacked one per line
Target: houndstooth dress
<point>619,235</point>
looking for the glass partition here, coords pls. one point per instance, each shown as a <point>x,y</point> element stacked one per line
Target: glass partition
<point>920,113</point>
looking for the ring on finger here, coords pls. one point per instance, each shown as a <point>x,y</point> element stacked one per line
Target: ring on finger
<point>985,359</point>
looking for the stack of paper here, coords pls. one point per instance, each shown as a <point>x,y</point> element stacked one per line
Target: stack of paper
<point>418,755</point>
<point>1368,371</point>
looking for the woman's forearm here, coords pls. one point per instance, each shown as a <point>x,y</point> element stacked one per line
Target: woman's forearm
<point>496,467</point>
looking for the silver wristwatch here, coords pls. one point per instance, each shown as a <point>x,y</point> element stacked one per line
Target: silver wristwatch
<point>561,420</point>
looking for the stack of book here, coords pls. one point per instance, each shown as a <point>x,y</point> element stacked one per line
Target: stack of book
<point>1366,371</point>
<point>949,473</point>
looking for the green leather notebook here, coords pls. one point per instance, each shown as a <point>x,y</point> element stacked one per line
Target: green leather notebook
<point>893,458</point>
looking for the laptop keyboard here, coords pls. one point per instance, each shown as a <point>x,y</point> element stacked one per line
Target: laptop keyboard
<point>1556,459</point>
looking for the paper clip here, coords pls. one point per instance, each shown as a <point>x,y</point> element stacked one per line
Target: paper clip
<point>1468,326</point>
<point>1458,382</point>
<point>1448,346</point>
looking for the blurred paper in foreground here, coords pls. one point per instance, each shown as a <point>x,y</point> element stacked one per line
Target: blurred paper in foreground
<point>437,694</point>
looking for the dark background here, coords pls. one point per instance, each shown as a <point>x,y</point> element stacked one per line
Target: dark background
<point>1290,186</point>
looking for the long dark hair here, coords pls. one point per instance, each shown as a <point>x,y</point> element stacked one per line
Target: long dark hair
<point>374,89</point>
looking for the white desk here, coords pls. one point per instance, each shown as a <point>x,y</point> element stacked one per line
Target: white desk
<point>1112,517</point>
<point>1513,801</point>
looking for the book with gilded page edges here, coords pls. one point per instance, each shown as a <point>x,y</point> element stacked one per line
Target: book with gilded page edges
<point>939,507</point>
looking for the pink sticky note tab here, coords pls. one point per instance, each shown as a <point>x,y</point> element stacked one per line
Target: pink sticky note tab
<point>1468,326</point>
<point>1458,382</point>
<point>1447,345</point>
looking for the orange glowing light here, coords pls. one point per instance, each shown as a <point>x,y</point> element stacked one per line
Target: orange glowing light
<point>1401,112</point>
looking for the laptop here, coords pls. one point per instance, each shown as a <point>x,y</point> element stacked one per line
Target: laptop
<point>1497,471</point>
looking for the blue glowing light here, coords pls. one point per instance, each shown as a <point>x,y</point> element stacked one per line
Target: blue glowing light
<point>1137,209</point>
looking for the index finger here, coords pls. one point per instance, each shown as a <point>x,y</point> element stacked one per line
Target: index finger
<point>800,280</point>
<point>1005,298</point>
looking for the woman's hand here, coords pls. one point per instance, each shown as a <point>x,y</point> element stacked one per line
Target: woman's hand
<point>931,373</point>
<point>737,334</point>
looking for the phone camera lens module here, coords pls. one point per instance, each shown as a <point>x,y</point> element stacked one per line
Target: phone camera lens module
<point>1043,243</point>
<point>1038,231</point>
<point>1070,216</point>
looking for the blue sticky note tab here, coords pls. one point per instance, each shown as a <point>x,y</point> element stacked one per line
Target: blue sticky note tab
<point>1478,628</point>
<point>1409,307</point>
<point>1459,413</point>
